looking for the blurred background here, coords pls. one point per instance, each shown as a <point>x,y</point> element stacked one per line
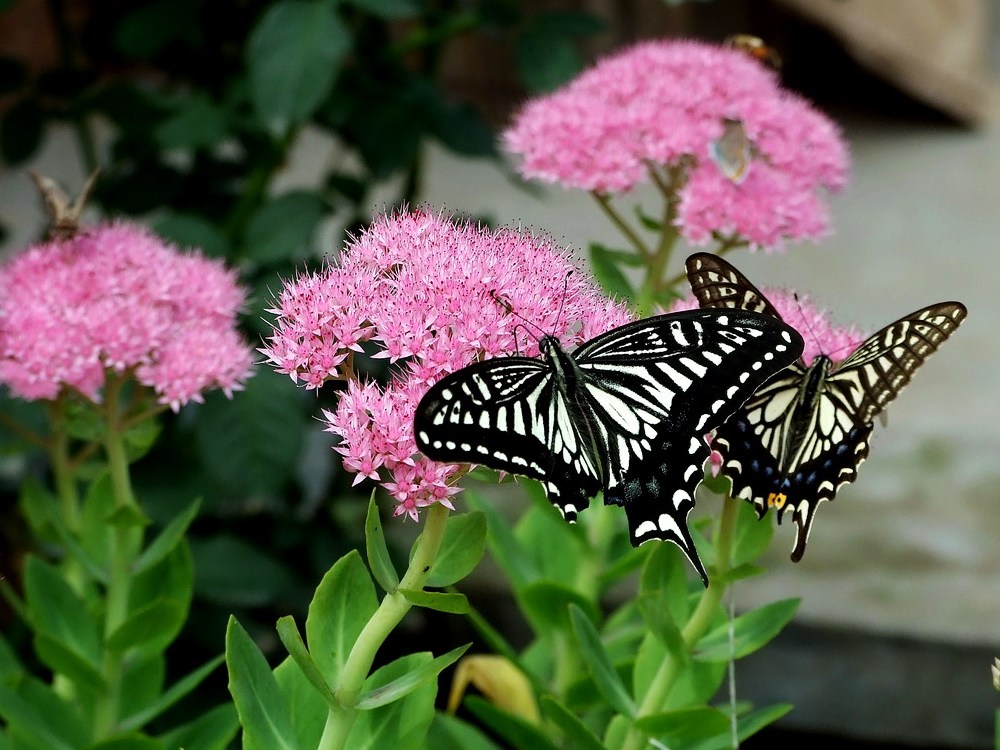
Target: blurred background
<point>262,132</point>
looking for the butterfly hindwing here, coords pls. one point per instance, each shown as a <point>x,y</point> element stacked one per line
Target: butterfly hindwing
<point>804,434</point>
<point>508,414</point>
<point>625,413</point>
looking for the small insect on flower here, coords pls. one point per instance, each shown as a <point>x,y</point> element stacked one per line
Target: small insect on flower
<point>624,414</point>
<point>756,48</point>
<point>804,434</point>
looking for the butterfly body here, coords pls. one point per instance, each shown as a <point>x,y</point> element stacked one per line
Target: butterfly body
<point>625,413</point>
<point>804,434</point>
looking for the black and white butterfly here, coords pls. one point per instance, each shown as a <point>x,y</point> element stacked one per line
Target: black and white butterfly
<point>625,413</point>
<point>803,435</point>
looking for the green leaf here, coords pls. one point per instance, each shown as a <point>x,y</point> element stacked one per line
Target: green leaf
<point>38,505</point>
<point>515,730</point>
<point>10,666</point>
<point>451,733</point>
<point>21,131</point>
<point>462,547</point>
<point>283,228</point>
<point>96,535</point>
<point>32,723</point>
<point>293,55</point>
<point>377,551</point>
<point>752,535</point>
<point>609,275</point>
<point>250,444</point>
<point>192,230</point>
<point>578,733</point>
<point>167,540</point>
<point>309,708</point>
<point>410,681</point>
<point>341,607</point>
<point>128,517</point>
<point>546,61</point>
<point>750,631</point>
<point>666,572</point>
<point>746,727</point>
<point>144,32</point>
<point>232,571</point>
<point>263,710</point>
<point>153,626</point>
<point>512,557</point>
<point>462,130</point>
<point>142,683</point>
<point>132,741</point>
<point>57,613</point>
<point>173,694</point>
<point>598,664</point>
<point>197,123</point>
<point>170,579</point>
<point>288,632</point>
<point>388,9</point>
<point>656,614</point>
<point>684,726</point>
<point>547,604</point>
<point>403,723</point>
<point>455,604</point>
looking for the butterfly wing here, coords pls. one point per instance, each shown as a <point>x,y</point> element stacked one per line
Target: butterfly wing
<point>508,414</point>
<point>882,366</point>
<point>780,453</point>
<point>771,470</point>
<point>717,284</point>
<point>852,396</point>
<point>652,389</point>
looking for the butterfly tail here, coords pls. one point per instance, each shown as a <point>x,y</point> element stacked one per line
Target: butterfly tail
<point>657,505</point>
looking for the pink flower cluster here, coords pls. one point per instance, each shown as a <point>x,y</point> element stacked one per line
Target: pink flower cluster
<point>666,104</point>
<point>820,335</point>
<point>116,296</point>
<point>431,296</point>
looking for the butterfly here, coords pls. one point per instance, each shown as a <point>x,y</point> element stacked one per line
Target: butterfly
<point>625,413</point>
<point>732,152</point>
<point>803,435</point>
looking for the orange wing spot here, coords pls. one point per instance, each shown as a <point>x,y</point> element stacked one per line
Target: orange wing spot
<point>777,500</point>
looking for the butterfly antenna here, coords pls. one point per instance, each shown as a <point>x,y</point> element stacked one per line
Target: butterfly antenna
<point>812,335</point>
<point>562,302</point>
<point>510,309</point>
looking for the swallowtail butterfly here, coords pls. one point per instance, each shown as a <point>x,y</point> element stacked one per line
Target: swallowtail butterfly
<point>804,434</point>
<point>625,413</point>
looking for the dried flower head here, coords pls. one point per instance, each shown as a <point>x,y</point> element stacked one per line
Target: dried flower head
<point>678,106</point>
<point>431,296</point>
<point>116,296</point>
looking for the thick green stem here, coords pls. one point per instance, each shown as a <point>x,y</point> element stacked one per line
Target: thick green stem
<point>389,614</point>
<point>697,625</point>
<point>126,540</point>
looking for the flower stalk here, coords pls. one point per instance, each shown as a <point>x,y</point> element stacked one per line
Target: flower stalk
<point>390,613</point>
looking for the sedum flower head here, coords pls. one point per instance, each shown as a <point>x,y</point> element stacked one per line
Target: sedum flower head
<point>821,336</point>
<point>431,296</point>
<point>668,104</point>
<point>118,297</point>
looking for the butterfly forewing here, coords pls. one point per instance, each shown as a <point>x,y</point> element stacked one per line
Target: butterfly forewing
<point>882,366</point>
<point>803,435</point>
<point>625,413</point>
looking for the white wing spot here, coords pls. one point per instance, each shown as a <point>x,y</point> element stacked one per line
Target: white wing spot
<point>668,524</point>
<point>644,528</point>
<point>695,445</point>
<point>712,357</point>
<point>690,470</point>
<point>681,496</point>
<point>717,405</point>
